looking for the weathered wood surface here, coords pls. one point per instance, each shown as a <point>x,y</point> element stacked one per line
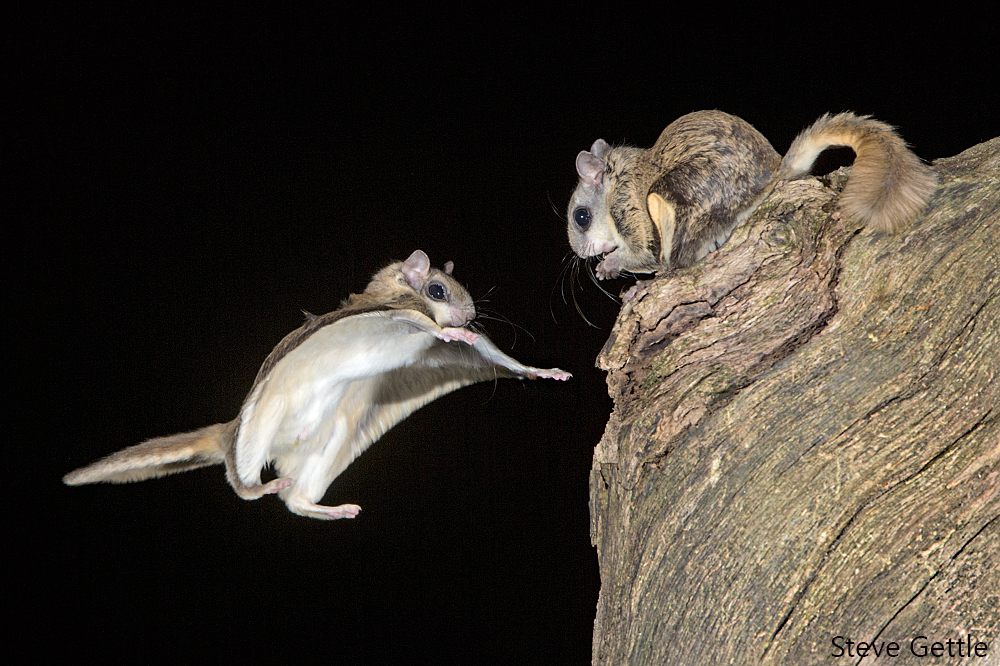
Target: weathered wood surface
<point>805,441</point>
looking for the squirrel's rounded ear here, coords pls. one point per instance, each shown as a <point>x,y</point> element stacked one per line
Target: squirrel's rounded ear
<point>600,149</point>
<point>590,168</point>
<point>416,268</point>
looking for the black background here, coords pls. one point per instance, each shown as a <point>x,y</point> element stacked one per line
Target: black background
<point>183,184</point>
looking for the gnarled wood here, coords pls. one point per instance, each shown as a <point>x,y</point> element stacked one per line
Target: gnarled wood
<point>805,441</point>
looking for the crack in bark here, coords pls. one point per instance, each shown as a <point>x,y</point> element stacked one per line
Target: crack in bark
<point>927,378</point>
<point>864,505</point>
<point>906,604</point>
<point>930,579</point>
<point>811,578</point>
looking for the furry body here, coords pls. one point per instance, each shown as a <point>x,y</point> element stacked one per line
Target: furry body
<point>669,206</point>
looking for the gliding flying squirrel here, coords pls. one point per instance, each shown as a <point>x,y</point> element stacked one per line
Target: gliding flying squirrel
<point>333,387</point>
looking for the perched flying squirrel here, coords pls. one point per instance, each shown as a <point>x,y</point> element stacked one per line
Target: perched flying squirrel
<point>669,206</point>
<point>332,388</point>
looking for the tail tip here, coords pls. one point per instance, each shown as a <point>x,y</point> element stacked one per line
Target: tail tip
<point>890,209</point>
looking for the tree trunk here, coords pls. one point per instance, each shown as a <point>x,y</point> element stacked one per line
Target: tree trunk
<point>805,441</point>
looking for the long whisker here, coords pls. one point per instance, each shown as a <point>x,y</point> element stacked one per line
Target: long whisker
<point>559,214</point>
<point>567,266</point>
<point>481,331</point>
<point>571,266</point>
<point>490,314</point>
<point>593,278</point>
<point>483,299</point>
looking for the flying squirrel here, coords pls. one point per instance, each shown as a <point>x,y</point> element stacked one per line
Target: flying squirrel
<point>333,387</point>
<point>669,206</point>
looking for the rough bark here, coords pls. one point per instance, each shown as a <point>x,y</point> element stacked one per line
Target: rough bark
<point>805,440</point>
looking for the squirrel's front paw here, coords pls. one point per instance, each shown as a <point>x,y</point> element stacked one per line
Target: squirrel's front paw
<point>451,334</point>
<point>608,268</point>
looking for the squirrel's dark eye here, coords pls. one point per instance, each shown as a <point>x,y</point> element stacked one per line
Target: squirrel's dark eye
<point>582,218</point>
<point>437,292</point>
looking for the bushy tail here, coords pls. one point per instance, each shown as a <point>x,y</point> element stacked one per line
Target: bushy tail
<point>157,457</point>
<point>889,185</point>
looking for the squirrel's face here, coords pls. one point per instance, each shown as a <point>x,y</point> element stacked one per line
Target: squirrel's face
<point>590,227</point>
<point>448,300</point>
